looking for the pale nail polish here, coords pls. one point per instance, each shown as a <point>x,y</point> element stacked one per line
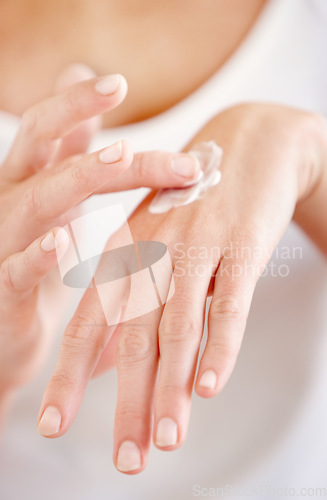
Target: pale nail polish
<point>50,422</point>
<point>49,242</point>
<point>112,153</point>
<point>52,241</point>
<point>108,85</point>
<point>196,180</point>
<point>129,457</point>
<point>208,380</point>
<point>185,166</point>
<point>166,432</point>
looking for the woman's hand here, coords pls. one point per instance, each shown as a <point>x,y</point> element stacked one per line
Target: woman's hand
<point>220,244</point>
<point>40,183</point>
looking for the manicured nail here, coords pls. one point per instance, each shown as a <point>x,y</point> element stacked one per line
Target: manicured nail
<point>129,457</point>
<point>108,84</point>
<point>208,380</point>
<point>49,242</point>
<point>112,154</point>
<point>52,241</point>
<point>196,180</point>
<point>186,166</point>
<point>50,422</point>
<point>166,432</point>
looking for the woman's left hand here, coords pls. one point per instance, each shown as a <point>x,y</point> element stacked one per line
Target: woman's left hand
<point>219,244</point>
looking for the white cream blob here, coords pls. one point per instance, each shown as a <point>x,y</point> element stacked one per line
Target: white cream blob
<point>209,155</point>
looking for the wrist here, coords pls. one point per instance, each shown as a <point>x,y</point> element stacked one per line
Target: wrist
<point>311,209</point>
<point>313,138</point>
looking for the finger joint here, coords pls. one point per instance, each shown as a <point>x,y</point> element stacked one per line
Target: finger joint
<point>133,346</point>
<point>226,309</point>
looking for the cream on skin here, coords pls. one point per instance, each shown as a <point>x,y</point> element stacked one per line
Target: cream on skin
<point>209,155</point>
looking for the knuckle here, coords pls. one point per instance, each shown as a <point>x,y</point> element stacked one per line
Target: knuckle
<point>316,123</point>
<point>133,345</point>
<point>180,329</point>
<point>64,380</point>
<point>310,119</point>
<point>226,308</point>
<point>72,101</point>
<point>168,392</point>
<point>130,411</point>
<point>242,242</point>
<point>32,204</point>
<point>84,332</point>
<point>78,173</point>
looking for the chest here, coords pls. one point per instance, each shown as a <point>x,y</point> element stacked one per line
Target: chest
<point>165,49</point>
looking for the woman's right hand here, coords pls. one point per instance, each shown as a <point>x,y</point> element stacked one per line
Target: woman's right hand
<point>40,183</point>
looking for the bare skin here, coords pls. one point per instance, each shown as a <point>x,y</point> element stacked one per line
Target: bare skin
<point>261,144</point>
<point>156,46</point>
<point>37,39</point>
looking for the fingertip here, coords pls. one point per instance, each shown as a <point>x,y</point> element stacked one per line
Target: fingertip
<point>204,392</point>
<point>127,153</point>
<point>63,240</point>
<point>50,422</point>
<point>123,87</point>
<point>168,447</point>
<point>129,458</point>
<point>210,382</point>
<point>112,85</point>
<point>61,236</point>
<point>129,472</point>
<point>206,384</point>
<point>166,437</point>
<point>187,168</point>
<point>56,239</point>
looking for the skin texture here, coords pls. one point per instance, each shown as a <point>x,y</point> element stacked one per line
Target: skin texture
<point>265,174</point>
<point>155,45</point>
<point>41,183</point>
<point>274,167</point>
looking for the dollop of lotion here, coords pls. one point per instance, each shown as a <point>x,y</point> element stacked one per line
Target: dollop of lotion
<point>209,155</point>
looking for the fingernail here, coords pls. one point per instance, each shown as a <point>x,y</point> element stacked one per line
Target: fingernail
<point>49,242</point>
<point>185,166</point>
<point>112,153</point>
<point>108,84</point>
<point>166,432</point>
<point>208,380</point>
<point>196,180</point>
<point>129,457</point>
<point>52,241</point>
<point>50,422</point>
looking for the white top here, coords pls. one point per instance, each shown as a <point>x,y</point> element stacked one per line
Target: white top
<point>267,426</point>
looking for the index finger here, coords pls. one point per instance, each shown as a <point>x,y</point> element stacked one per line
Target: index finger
<point>56,117</point>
